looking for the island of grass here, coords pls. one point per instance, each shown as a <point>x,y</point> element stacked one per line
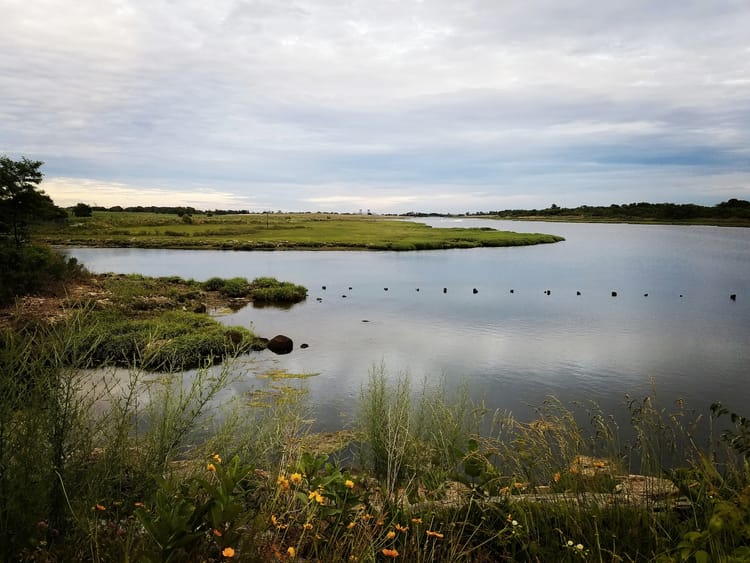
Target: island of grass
<point>300,231</point>
<point>158,324</point>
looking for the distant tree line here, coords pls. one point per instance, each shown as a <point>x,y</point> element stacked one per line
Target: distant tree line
<point>169,210</point>
<point>730,210</point>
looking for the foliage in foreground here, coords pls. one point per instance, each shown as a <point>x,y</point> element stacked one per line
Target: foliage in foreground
<point>125,467</point>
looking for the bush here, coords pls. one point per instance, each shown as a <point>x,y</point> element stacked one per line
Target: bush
<point>32,269</point>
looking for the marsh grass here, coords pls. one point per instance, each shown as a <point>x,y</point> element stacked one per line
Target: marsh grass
<point>275,231</point>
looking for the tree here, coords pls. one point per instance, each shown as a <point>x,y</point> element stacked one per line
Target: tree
<point>82,210</point>
<point>21,200</point>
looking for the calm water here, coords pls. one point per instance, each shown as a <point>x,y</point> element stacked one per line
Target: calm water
<point>687,339</point>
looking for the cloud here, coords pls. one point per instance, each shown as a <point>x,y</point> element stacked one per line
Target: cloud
<point>271,103</point>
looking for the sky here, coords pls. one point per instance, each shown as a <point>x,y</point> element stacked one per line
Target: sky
<point>387,105</point>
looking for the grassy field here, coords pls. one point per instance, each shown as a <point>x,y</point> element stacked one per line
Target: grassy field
<point>305,231</point>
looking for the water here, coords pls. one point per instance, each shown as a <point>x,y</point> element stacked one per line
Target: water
<point>686,339</point>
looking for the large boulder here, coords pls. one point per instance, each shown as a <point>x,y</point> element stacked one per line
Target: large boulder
<point>280,344</point>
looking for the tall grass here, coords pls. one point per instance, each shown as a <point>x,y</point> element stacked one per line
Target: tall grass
<point>124,465</point>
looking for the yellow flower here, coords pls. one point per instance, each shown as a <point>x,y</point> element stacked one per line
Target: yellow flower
<point>291,551</point>
<point>316,496</point>
<point>557,476</point>
<point>228,552</point>
<point>283,483</point>
<point>307,526</point>
<point>437,535</point>
<point>295,478</point>
<point>416,520</point>
<point>350,525</point>
<point>349,484</point>
<point>401,528</point>
<point>216,458</point>
<point>390,535</point>
<point>392,553</point>
<point>211,467</point>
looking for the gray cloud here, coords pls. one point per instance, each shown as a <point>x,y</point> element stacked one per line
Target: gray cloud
<point>405,105</point>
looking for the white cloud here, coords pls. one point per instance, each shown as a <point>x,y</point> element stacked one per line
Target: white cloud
<point>244,95</point>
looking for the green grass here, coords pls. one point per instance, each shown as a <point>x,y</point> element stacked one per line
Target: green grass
<point>126,467</point>
<point>274,231</point>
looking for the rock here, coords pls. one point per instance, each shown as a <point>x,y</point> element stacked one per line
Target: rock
<point>642,487</point>
<point>512,291</point>
<point>578,292</point>
<point>323,288</point>
<point>475,291</point>
<point>234,336</point>
<point>304,345</point>
<point>385,289</point>
<point>614,294</point>
<point>733,297</point>
<point>200,308</point>
<point>280,344</point>
<point>445,290</point>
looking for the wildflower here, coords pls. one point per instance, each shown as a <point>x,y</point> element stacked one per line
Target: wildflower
<point>295,478</point>
<point>401,528</point>
<point>437,535</point>
<point>217,533</point>
<point>390,535</point>
<point>579,547</point>
<point>514,523</point>
<point>504,490</point>
<point>570,543</point>
<point>349,484</point>
<point>211,467</point>
<point>291,551</point>
<point>307,526</point>
<point>519,486</point>
<point>316,496</point>
<point>99,507</point>
<point>140,505</point>
<point>277,523</point>
<point>216,458</point>
<point>416,520</point>
<point>350,525</point>
<point>392,553</point>
<point>227,552</point>
<point>557,476</point>
<point>283,483</point>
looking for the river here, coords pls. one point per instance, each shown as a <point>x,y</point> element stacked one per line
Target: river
<point>543,320</point>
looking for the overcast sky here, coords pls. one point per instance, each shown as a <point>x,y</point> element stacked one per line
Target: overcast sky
<point>388,105</point>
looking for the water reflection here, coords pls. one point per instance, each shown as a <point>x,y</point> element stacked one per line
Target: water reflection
<point>686,339</point>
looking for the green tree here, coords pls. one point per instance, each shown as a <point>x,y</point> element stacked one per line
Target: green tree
<point>82,210</point>
<point>21,200</point>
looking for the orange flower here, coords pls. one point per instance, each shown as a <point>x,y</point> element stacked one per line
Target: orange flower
<point>390,535</point>
<point>401,528</point>
<point>99,507</point>
<point>140,505</point>
<point>211,467</point>
<point>350,525</point>
<point>392,553</point>
<point>295,478</point>
<point>291,552</point>
<point>437,535</point>
<point>228,552</point>
<point>416,520</point>
<point>349,484</point>
<point>217,533</point>
<point>557,476</point>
